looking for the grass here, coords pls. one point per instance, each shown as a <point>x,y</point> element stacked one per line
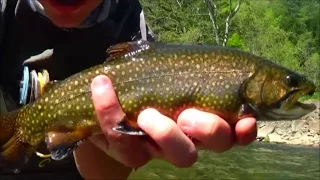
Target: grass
<point>316,96</point>
<point>266,139</point>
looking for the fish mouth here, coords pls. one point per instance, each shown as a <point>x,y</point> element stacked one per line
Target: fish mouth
<point>289,108</point>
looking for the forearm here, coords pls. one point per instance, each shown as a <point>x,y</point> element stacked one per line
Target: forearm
<point>94,164</point>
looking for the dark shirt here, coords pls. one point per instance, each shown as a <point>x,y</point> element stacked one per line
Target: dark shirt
<point>25,33</point>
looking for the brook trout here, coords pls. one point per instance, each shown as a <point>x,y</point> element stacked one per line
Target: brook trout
<point>228,82</point>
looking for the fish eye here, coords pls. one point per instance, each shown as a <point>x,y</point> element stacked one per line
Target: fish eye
<point>292,80</point>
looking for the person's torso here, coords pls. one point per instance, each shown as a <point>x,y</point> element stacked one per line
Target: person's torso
<point>28,34</point>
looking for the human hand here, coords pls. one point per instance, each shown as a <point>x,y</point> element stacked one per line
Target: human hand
<point>168,139</point>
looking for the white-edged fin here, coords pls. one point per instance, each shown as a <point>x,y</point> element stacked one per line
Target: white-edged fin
<point>62,151</point>
<point>123,130</point>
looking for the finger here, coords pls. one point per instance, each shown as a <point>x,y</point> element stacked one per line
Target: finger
<point>174,145</point>
<point>125,149</point>
<point>213,132</point>
<point>246,131</point>
<point>105,102</point>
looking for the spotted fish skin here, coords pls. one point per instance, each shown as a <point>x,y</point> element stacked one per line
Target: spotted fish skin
<point>172,78</point>
<point>169,78</point>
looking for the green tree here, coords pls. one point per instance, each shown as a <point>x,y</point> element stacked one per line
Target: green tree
<point>222,11</point>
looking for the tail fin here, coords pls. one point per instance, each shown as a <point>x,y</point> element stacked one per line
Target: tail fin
<point>13,152</point>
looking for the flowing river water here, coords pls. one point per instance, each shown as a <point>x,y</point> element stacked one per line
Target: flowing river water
<point>257,161</point>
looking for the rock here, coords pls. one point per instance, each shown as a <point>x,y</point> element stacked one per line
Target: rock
<point>287,138</point>
<point>295,141</point>
<point>281,130</point>
<point>314,125</point>
<point>297,125</point>
<point>275,138</point>
<point>263,132</point>
<point>304,131</point>
<point>261,124</point>
<point>297,135</point>
<point>259,138</point>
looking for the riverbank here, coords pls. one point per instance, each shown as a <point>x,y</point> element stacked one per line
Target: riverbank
<point>305,131</point>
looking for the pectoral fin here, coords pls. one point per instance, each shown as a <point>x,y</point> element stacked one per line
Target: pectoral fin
<point>61,144</point>
<point>245,111</point>
<point>128,127</point>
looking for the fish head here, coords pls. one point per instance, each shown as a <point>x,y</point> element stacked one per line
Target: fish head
<point>280,90</point>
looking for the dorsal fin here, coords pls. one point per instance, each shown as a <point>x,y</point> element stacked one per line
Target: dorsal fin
<point>126,49</point>
<point>48,86</point>
<point>44,82</point>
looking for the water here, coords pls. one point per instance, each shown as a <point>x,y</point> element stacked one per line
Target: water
<point>256,161</point>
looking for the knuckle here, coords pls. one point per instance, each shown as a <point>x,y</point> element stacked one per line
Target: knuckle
<point>216,126</point>
<point>164,133</point>
<point>107,108</point>
<point>213,128</point>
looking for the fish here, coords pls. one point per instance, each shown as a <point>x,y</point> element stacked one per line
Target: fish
<point>168,77</point>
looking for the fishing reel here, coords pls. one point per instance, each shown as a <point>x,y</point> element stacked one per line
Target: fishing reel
<point>32,84</point>
<point>32,87</point>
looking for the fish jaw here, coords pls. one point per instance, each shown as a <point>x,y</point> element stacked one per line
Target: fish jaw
<point>296,112</point>
<point>290,108</point>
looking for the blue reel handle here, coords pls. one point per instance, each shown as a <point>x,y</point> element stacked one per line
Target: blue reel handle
<point>32,84</point>
<point>25,85</point>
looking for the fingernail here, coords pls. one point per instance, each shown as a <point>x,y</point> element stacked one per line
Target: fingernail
<point>188,123</point>
<point>145,123</point>
<point>100,84</point>
<point>189,120</point>
<point>147,118</point>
